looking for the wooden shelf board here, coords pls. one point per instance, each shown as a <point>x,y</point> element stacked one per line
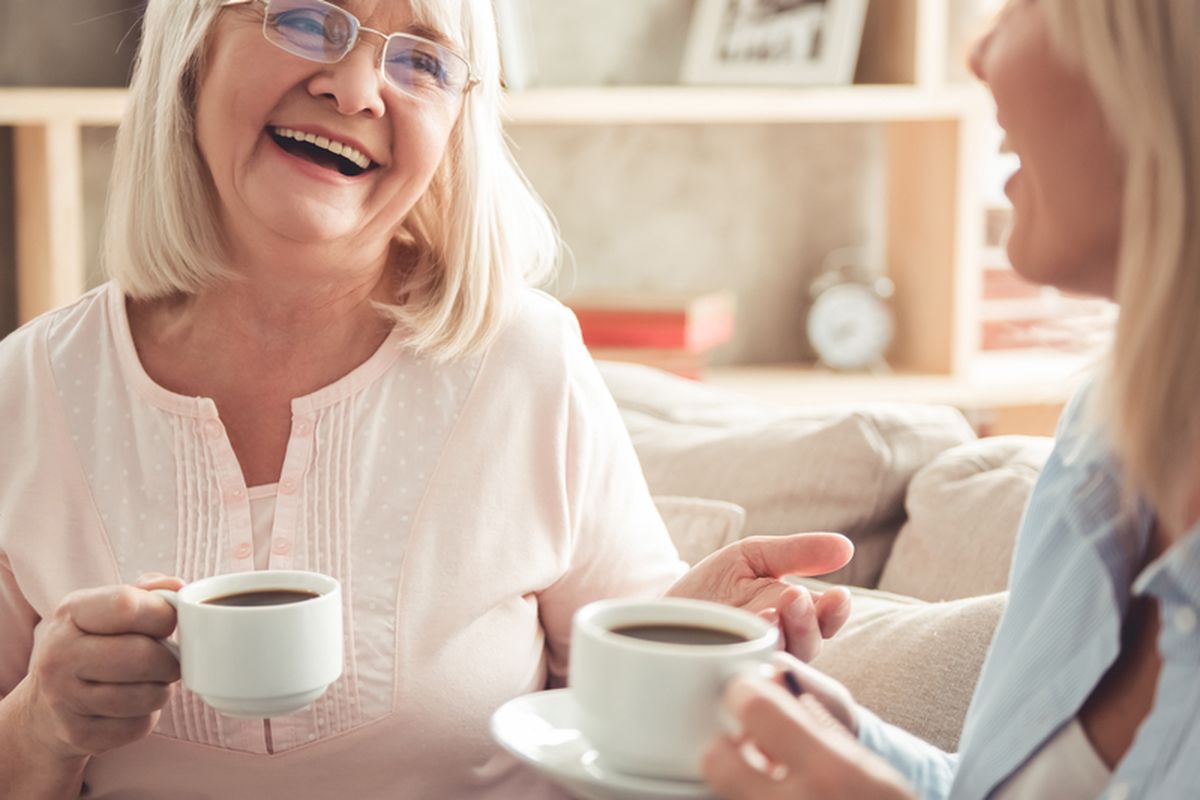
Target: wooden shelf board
<point>992,380</point>
<point>598,105</point>
<point>693,105</point>
<point>101,107</point>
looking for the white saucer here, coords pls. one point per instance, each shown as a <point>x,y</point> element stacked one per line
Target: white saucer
<point>541,730</point>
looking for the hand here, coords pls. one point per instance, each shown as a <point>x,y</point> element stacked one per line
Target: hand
<point>747,574</point>
<point>98,677</point>
<point>794,748</point>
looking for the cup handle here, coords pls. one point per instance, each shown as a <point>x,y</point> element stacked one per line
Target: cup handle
<point>172,598</point>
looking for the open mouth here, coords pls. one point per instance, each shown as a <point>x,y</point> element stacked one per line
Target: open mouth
<point>326,153</point>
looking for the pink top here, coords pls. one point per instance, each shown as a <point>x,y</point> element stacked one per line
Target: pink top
<point>468,510</point>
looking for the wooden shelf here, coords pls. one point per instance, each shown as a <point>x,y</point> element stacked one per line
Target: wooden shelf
<point>660,105</point>
<point>99,107</point>
<point>598,105</point>
<point>1020,391</point>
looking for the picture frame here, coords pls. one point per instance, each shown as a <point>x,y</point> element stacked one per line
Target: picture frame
<point>774,42</point>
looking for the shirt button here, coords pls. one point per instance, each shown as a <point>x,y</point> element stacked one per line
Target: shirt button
<point>1185,619</point>
<point>1119,791</point>
<point>287,486</point>
<point>234,496</point>
<point>303,426</point>
<point>243,550</point>
<point>214,429</point>
<point>281,546</point>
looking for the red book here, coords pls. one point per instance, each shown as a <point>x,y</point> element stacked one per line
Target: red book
<point>694,323</point>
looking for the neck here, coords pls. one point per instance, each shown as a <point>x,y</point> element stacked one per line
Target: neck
<point>266,330</point>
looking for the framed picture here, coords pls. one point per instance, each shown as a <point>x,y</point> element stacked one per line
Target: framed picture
<point>777,42</point>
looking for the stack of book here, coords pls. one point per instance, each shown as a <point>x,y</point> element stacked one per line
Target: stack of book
<point>669,331</point>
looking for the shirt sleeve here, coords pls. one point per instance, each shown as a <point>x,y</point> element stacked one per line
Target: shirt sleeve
<point>619,546</point>
<point>928,769</point>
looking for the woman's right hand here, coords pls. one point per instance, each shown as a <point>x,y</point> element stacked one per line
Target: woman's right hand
<point>98,676</point>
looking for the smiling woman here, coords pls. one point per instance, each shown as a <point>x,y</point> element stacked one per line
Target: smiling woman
<point>320,350</point>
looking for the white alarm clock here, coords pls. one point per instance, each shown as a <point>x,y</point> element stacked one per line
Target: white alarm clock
<point>849,323</point>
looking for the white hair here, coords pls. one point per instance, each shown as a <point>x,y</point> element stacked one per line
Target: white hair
<point>1140,57</point>
<point>471,243</point>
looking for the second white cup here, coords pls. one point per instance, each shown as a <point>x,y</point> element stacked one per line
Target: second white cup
<point>647,678</point>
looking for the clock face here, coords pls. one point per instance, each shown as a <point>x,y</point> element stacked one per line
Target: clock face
<point>849,326</point>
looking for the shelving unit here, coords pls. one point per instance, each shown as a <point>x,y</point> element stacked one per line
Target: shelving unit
<point>934,150</point>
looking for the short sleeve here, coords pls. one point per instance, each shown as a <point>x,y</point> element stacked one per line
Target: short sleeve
<point>619,544</point>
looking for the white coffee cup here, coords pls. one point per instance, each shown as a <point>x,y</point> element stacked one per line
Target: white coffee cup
<point>258,661</point>
<point>651,708</point>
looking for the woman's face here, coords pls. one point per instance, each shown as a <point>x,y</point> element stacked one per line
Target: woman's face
<point>1067,194</point>
<point>255,97</point>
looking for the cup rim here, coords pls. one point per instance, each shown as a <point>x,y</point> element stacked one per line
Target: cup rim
<point>596,620</point>
<point>198,592</point>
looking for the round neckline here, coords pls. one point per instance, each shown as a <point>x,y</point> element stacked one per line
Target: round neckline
<point>204,407</point>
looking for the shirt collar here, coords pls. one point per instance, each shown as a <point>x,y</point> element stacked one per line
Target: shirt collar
<point>1175,575</point>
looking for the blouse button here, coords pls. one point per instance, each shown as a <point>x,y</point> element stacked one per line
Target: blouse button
<point>243,550</point>
<point>234,495</point>
<point>1119,791</point>
<point>214,429</point>
<point>281,547</point>
<point>287,486</point>
<point>303,426</point>
<point>1185,619</point>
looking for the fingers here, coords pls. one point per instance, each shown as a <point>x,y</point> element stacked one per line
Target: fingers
<point>833,609</point>
<point>767,713</point>
<point>121,700</point>
<point>798,554</point>
<point>119,609</point>
<point>801,627</point>
<point>96,735</point>
<point>731,776</point>
<point>128,658</point>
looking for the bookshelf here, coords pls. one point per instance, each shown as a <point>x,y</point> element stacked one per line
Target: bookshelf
<point>934,146</point>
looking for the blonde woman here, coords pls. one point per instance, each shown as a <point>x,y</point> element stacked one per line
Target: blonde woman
<point>319,351</point>
<point>1092,685</point>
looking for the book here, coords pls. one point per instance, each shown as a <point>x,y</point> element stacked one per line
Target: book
<point>695,323</point>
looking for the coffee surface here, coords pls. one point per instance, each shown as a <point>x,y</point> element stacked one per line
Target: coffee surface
<point>262,597</point>
<point>681,634</point>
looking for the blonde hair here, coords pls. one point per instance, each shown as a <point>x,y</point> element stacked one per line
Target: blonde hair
<point>476,238</point>
<point>1141,59</point>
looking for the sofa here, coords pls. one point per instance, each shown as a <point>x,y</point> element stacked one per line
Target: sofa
<point>932,509</point>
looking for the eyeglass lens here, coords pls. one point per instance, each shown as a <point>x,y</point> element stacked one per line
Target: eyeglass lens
<point>321,32</point>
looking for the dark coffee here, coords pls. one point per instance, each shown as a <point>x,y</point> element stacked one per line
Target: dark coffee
<point>262,597</point>
<point>681,634</point>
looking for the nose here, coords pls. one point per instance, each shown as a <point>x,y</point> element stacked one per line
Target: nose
<point>352,84</point>
<point>976,56</point>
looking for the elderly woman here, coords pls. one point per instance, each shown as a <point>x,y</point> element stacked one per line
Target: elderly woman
<point>319,351</point>
<point>1091,687</point>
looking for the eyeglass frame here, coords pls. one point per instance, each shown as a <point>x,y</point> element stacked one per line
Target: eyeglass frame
<point>472,79</point>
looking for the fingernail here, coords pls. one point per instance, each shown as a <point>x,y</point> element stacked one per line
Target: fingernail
<point>771,615</point>
<point>792,683</point>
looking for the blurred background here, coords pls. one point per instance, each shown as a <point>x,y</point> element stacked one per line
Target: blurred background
<point>799,199</point>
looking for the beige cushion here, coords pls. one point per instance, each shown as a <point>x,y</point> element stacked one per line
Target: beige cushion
<point>913,663</point>
<point>699,526</point>
<point>964,510</point>
<point>791,469</point>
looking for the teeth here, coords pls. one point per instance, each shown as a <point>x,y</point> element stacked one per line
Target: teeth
<point>337,148</point>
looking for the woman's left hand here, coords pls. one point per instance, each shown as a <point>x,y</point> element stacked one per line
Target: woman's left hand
<point>748,574</point>
<point>791,749</point>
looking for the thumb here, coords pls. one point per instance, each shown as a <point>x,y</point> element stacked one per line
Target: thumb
<point>797,554</point>
<point>156,580</point>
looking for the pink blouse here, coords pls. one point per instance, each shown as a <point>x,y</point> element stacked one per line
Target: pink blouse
<point>468,510</point>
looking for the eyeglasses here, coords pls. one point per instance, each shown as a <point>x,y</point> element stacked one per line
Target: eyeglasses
<point>322,32</point>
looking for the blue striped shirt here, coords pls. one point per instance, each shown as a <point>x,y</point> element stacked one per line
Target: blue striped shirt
<point>1072,581</point>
